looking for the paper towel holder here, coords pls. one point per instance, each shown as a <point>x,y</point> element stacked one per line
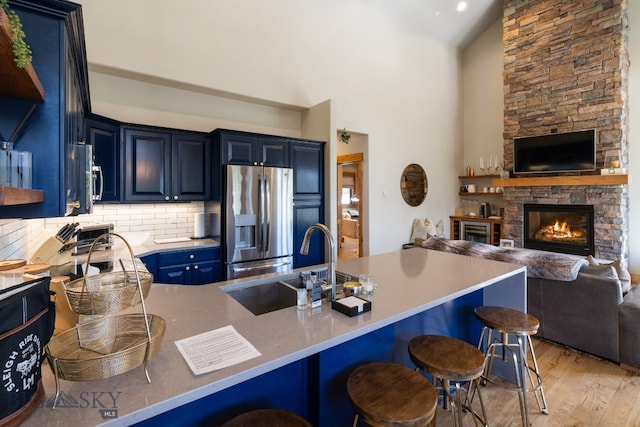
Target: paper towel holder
<point>199,229</point>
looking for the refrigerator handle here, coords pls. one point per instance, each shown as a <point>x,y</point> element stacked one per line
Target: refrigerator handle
<point>267,216</point>
<point>260,233</point>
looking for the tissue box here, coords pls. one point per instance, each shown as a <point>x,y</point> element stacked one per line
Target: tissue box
<point>351,306</point>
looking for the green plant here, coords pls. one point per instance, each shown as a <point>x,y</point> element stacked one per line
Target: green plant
<point>21,50</point>
<point>345,136</point>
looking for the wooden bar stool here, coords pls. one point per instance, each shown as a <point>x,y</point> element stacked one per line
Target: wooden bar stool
<point>267,418</point>
<point>507,321</point>
<point>451,360</point>
<point>386,394</point>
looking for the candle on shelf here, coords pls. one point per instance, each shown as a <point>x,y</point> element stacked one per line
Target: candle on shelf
<point>481,163</point>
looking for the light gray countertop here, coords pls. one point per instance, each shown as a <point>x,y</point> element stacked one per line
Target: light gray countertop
<point>67,262</point>
<point>410,281</point>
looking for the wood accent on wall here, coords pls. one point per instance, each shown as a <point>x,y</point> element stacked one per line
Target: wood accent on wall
<point>562,180</point>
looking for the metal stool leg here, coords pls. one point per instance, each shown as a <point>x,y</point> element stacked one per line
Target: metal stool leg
<point>457,406</point>
<point>520,364</point>
<point>537,385</point>
<point>474,387</point>
<point>518,359</point>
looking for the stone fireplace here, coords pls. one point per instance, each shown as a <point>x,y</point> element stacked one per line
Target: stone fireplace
<point>566,69</point>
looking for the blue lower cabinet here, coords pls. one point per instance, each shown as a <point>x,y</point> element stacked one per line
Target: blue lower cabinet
<point>205,272</point>
<point>150,261</point>
<point>185,266</point>
<point>198,273</point>
<point>174,274</point>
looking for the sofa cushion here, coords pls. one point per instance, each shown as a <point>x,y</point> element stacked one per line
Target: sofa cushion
<point>623,274</point>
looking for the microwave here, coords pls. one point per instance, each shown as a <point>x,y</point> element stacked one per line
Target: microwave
<point>84,181</point>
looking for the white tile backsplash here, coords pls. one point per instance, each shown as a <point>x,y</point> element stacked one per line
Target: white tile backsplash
<point>21,238</point>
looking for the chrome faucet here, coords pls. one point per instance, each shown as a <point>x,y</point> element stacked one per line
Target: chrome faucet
<point>304,250</point>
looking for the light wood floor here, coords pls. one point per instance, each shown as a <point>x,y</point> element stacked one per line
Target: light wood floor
<point>581,390</point>
<point>348,248</point>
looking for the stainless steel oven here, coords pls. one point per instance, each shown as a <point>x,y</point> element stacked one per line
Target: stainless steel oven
<point>476,231</point>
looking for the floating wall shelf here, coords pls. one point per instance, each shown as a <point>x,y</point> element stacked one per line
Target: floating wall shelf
<point>562,180</point>
<point>19,196</point>
<point>15,82</point>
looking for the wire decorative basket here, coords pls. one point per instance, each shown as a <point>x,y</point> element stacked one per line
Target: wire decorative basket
<point>107,293</point>
<point>110,292</point>
<point>104,347</point>
<point>112,344</point>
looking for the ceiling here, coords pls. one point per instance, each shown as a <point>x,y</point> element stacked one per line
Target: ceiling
<point>441,19</point>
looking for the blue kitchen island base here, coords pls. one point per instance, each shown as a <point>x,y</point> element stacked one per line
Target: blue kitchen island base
<point>315,387</point>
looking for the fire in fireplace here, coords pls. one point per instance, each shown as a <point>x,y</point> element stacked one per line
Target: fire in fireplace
<point>559,228</point>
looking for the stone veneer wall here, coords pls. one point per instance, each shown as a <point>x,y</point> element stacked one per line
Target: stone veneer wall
<point>566,69</point>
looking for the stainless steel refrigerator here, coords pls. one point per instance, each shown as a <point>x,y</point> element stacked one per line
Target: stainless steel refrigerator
<point>258,218</point>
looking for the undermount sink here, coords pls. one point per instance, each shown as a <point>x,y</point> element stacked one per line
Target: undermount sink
<point>266,297</point>
<point>262,296</point>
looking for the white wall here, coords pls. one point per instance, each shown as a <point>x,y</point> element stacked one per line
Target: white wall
<point>140,99</point>
<point>385,79</point>
<point>483,98</point>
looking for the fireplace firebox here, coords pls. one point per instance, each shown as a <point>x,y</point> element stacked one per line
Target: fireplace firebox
<point>559,228</point>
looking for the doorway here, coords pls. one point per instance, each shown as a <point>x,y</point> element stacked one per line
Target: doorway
<point>350,212</point>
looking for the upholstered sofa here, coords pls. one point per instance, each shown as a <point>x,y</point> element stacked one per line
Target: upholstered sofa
<point>580,302</point>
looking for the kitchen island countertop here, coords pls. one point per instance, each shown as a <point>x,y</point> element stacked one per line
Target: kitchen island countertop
<point>409,282</point>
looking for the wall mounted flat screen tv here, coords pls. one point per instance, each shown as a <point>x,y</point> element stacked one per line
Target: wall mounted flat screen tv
<point>556,152</point>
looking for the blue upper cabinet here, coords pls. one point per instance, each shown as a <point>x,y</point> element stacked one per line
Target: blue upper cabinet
<point>307,161</point>
<point>165,165</point>
<point>241,148</point>
<point>55,34</point>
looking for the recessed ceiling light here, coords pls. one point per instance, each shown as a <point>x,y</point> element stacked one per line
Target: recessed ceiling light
<point>461,6</point>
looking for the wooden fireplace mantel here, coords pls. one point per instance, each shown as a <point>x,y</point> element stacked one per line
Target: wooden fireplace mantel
<point>562,180</point>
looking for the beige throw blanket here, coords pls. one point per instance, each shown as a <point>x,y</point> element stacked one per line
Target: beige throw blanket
<point>540,264</point>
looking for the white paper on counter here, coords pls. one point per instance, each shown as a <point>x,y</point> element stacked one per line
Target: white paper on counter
<point>215,350</point>
<point>352,301</point>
